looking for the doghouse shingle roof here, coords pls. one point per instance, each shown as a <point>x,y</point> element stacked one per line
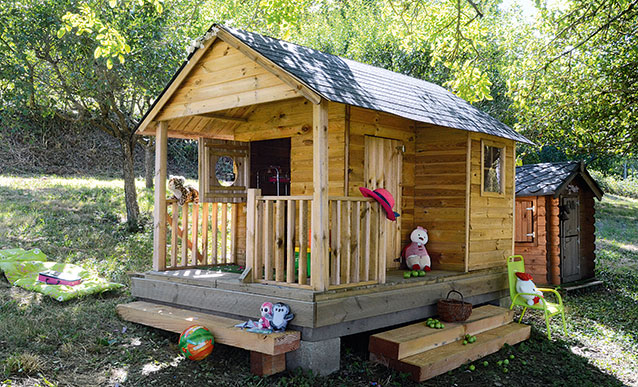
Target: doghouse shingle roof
<point>551,178</point>
<point>346,81</point>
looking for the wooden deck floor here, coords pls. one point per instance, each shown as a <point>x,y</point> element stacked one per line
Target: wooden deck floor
<point>230,281</point>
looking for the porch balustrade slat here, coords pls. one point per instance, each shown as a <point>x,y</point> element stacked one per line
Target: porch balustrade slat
<point>355,241</point>
<point>334,242</point>
<point>268,240</point>
<point>174,232</point>
<point>344,247</point>
<point>383,247</point>
<point>374,241</point>
<point>205,215</point>
<point>279,240</point>
<point>259,253</point>
<point>184,235</point>
<point>303,242</point>
<point>194,232</point>
<point>233,233</point>
<point>368,244</point>
<point>213,222</point>
<point>224,233</point>
<point>290,242</point>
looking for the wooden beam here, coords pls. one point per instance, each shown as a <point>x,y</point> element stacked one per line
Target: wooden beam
<point>319,278</point>
<point>285,77</point>
<point>159,210</point>
<point>223,117</point>
<point>223,328</point>
<point>239,99</point>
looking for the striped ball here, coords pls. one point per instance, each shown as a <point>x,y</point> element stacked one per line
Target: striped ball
<point>196,342</point>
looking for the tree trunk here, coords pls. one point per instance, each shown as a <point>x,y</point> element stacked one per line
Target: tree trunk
<point>149,162</point>
<point>130,195</point>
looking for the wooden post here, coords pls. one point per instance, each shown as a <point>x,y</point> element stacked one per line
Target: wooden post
<point>251,225</point>
<point>159,210</point>
<point>320,212</point>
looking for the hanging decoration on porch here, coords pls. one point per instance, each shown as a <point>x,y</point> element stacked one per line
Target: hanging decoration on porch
<point>385,199</point>
<point>524,284</point>
<point>415,254</point>
<point>274,318</point>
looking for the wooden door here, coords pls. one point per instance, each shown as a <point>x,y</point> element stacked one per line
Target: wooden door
<point>570,238</point>
<point>383,169</point>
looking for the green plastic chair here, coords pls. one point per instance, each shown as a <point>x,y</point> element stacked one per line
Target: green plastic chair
<point>516,263</point>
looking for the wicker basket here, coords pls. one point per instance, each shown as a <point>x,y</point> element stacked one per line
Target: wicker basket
<point>454,310</point>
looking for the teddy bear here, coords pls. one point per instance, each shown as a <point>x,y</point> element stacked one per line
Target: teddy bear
<point>415,255</point>
<point>524,284</point>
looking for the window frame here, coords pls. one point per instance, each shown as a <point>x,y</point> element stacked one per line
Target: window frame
<point>502,146</point>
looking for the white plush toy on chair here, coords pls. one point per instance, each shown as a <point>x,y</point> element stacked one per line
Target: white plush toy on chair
<point>415,254</point>
<point>524,284</point>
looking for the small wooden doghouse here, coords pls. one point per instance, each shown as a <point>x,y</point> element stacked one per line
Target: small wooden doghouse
<point>555,230</point>
<point>318,126</point>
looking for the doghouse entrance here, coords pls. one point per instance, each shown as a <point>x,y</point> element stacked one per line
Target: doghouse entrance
<point>570,238</point>
<point>270,166</point>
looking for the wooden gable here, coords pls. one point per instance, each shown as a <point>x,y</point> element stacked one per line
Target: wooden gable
<point>224,78</point>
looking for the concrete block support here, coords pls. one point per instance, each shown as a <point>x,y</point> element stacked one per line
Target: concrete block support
<point>321,357</point>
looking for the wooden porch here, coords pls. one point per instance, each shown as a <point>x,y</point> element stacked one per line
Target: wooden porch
<point>319,315</point>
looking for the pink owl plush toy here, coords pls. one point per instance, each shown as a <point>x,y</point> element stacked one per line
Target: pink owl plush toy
<point>266,316</point>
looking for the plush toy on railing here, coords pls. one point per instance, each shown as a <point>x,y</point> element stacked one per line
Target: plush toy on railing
<point>415,254</point>
<point>182,193</point>
<point>524,284</point>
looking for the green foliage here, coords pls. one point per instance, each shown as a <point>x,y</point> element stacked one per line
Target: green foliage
<point>615,185</point>
<point>575,85</point>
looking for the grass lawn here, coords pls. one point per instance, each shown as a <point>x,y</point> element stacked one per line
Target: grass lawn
<point>83,342</point>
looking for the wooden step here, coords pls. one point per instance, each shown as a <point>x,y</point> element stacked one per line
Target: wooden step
<point>428,364</point>
<point>223,329</point>
<point>406,341</point>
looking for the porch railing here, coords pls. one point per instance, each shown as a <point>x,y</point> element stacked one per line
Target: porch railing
<point>278,241</point>
<point>200,235</point>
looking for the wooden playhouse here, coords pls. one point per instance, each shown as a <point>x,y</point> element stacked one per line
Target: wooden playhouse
<point>555,221</point>
<point>287,135</point>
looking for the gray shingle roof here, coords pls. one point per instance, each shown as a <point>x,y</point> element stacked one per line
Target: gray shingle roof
<point>550,178</point>
<point>346,81</point>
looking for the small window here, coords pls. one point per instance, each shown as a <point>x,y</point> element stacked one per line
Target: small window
<point>493,168</point>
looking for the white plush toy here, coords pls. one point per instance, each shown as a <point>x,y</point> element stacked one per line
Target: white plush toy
<point>415,254</point>
<point>524,284</point>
